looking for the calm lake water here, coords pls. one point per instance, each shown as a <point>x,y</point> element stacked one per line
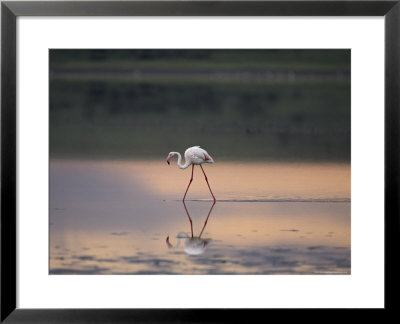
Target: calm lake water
<point>114,217</point>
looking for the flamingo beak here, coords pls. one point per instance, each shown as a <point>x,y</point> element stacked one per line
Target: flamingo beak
<point>168,158</point>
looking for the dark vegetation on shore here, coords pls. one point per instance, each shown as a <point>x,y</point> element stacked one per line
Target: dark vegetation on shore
<point>291,105</point>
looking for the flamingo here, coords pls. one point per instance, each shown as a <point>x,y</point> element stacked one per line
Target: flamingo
<point>193,156</point>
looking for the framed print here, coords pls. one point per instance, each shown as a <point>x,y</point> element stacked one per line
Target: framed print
<point>288,142</point>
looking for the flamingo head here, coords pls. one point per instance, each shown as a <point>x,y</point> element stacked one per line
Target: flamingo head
<point>169,157</point>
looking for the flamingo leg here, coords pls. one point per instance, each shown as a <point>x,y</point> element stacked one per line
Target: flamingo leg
<point>191,179</point>
<point>205,223</point>
<point>207,183</point>
<point>190,220</point>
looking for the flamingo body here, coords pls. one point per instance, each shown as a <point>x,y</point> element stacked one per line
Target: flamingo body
<point>196,155</point>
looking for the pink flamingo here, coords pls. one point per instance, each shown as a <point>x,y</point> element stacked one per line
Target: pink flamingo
<point>193,155</point>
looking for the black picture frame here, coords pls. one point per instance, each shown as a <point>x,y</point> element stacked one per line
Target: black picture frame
<point>10,10</point>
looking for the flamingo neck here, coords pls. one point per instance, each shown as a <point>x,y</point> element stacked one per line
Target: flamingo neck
<point>181,166</point>
<point>180,236</point>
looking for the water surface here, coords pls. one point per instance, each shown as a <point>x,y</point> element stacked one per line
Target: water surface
<point>114,217</point>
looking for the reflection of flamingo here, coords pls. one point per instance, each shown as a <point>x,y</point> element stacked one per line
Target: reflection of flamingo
<point>193,155</point>
<point>192,245</point>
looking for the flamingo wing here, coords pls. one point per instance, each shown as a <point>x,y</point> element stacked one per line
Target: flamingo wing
<point>197,155</point>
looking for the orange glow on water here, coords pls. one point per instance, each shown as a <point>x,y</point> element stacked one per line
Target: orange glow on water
<point>114,216</point>
<point>237,180</point>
